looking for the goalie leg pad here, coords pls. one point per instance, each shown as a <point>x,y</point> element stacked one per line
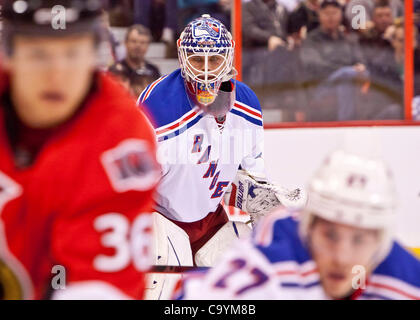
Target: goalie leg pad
<point>171,246</point>
<point>208,255</point>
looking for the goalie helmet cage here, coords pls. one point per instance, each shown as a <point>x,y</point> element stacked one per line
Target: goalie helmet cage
<point>236,17</point>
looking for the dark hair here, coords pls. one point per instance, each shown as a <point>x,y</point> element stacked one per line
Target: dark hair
<point>381,4</point>
<point>140,29</point>
<point>327,3</point>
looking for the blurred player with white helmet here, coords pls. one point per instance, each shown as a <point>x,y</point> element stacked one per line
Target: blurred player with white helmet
<point>75,186</point>
<point>210,142</point>
<point>341,246</point>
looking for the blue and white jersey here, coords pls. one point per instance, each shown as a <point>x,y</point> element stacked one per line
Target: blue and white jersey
<point>199,160</point>
<point>275,264</point>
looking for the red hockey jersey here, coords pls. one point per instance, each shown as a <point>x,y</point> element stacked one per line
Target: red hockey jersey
<point>76,223</point>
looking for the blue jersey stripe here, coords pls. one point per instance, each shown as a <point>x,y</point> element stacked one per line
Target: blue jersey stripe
<point>246,117</point>
<point>180,130</point>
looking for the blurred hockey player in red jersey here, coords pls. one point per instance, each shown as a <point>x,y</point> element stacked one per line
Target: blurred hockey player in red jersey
<point>77,165</point>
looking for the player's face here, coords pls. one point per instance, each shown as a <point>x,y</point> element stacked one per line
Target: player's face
<point>50,77</point>
<point>337,249</point>
<point>330,18</point>
<point>137,45</point>
<point>198,62</point>
<point>382,18</point>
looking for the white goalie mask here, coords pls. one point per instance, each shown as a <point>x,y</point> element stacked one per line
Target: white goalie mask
<point>355,191</point>
<point>205,52</point>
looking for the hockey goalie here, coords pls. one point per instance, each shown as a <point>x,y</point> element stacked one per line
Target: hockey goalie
<point>210,135</point>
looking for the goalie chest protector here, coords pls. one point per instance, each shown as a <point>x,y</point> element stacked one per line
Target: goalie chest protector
<point>199,156</point>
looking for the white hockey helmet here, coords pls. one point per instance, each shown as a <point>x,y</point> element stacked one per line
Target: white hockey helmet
<point>352,190</point>
<point>206,37</point>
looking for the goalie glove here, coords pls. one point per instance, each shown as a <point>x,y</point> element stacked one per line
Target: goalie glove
<point>257,197</point>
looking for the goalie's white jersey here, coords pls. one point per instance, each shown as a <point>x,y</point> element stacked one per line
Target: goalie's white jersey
<point>199,159</point>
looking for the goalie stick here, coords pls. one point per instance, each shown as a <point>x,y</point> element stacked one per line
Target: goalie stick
<point>176,269</point>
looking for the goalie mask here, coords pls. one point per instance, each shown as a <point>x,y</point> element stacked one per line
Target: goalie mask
<point>354,191</point>
<point>205,52</point>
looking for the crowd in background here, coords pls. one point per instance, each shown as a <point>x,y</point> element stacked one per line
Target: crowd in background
<point>323,61</point>
<point>307,60</point>
<point>150,21</point>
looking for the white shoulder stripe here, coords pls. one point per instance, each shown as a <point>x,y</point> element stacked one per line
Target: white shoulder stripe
<point>247,106</point>
<point>247,113</point>
<point>177,120</point>
<point>384,293</point>
<point>180,125</point>
<point>303,268</point>
<point>394,286</point>
<point>291,271</point>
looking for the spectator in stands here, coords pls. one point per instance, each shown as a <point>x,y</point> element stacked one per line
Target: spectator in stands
<point>303,19</point>
<point>385,61</point>
<point>110,50</point>
<point>417,15</point>
<point>333,62</point>
<point>138,70</point>
<point>388,75</point>
<point>270,63</point>
<point>160,16</point>
<point>120,12</point>
<point>397,7</point>
<point>264,24</point>
<point>382,18</point>
<point>378,50</point>
<point>396,35</point>
<point>290,5</point>
<point>191,9</point>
